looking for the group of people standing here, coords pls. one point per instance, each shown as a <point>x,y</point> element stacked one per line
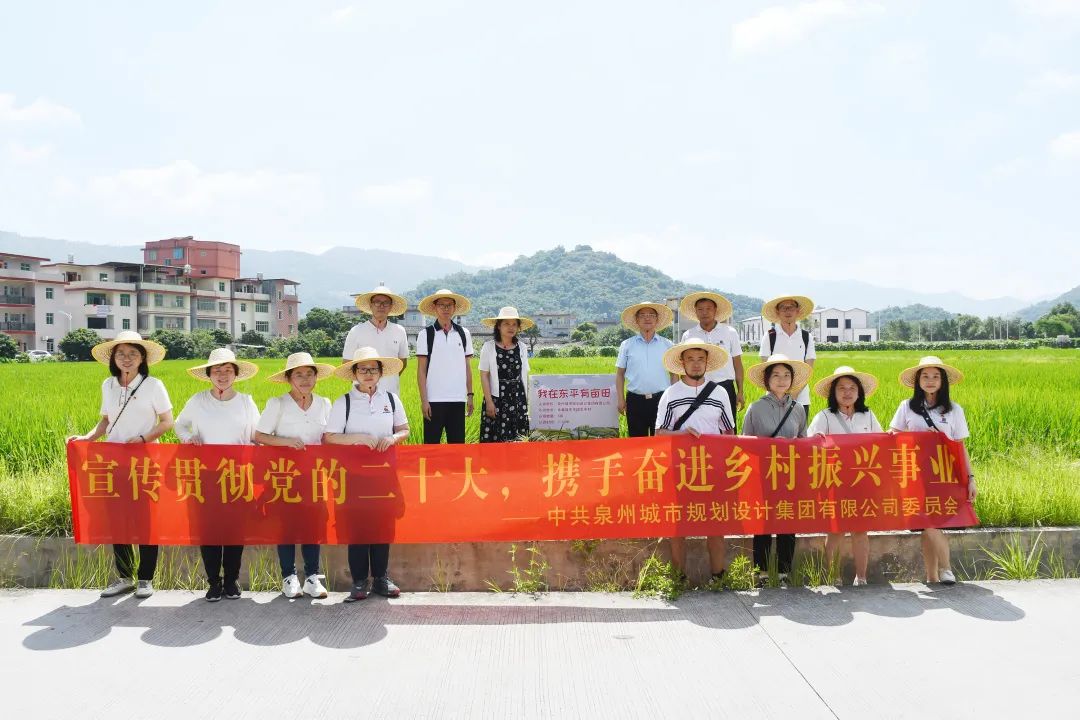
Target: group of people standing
<point>692,387</point>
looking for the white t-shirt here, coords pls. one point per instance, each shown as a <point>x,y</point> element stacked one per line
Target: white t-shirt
<point>713,417</point>
<point>146,398</point>
<point>953,423</point>
<point>368,414</point>
<point>792,346</point>
<point>726,337</point>
<point>284,418</point>
<point>826,423</point>
<point>391,341</point>
<point>217,422</point>
<point>446,364</point>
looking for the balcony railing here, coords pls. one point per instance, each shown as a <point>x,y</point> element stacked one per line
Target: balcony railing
<point>16,326</point>
<point>17,299</point>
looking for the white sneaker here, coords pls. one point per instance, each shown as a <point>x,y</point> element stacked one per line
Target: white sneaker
<point>121,586</point>
<point>947,577</point>
<point>290,587</point>
<point>859,582</point>
<point>145,589</point>
<point>314,587</point>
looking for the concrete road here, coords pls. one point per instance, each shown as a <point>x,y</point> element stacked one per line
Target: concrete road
<point>986,650</point>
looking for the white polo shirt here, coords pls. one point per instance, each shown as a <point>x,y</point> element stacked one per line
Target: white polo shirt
<point>146,398</point>
<point>792,346</point>
<point>284,418</point>
<point>446,364</point>
<point>368,414</point>
<point>726,337</point>
<point>391,341</point>
<point>953,423</point>
<point>826,423</point>
<point>217,422</point>
<point>713,416</point>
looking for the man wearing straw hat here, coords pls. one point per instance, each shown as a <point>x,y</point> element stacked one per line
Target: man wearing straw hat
<point>443,368</point>
<point>639,368</point>
<point>387,337</point>
<point>785,337</point>
<point>696,406</point>
<point>712,311</point>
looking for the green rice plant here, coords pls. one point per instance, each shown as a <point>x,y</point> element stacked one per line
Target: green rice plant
<point>83,568</point>
<point>1014,562</point>
<point>813,569</point>
<point>264,570</point>
<point>179,568</point>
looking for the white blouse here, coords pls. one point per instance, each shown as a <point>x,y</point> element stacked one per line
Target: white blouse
<point>284,418</point>
<point>218,422</point>
<point>953,423</point>
<point>827,423</point>
<point>368,414</point>
<point>145,399</point>
<point>489,364</point>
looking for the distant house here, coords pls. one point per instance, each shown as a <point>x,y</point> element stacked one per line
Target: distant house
<point>555,324</point>
<point>825,325</point>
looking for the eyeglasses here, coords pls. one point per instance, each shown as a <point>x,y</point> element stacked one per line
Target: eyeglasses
<point>446,304</point>
<point>382,303</point>
<point>367,371</point>
<point>787,306</point>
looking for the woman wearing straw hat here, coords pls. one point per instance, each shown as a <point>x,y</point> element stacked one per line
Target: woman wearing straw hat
<point>375,418</point>
<point>135,408</point>
<point>387,337</point>
<point>777,414</point>
<point>504,373</point>
<point>786,338</point>
<point>931,409</point>
<point>220,416</point>
<point>847,390</point>
<point>696,406</point>
<point>639,367</point>
<point>712,311</point>
<point>296,419</point>
<point>443,368</point>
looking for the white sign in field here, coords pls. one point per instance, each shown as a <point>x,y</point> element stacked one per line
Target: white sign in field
<point>571,402</point>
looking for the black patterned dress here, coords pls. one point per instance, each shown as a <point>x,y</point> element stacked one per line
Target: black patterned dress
<point>511,419</point>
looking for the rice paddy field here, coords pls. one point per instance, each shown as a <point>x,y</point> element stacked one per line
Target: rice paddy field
<point>1023,408</point>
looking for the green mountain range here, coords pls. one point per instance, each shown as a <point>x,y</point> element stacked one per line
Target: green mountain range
<point>593,285</point>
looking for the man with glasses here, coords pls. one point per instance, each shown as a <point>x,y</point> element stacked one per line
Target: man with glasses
<point>388,338</point>
<point>785,337</point>
<point>443,368</point>
<point>639,368</point>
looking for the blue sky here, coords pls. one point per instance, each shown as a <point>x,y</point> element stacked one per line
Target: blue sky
<point>903,143</point>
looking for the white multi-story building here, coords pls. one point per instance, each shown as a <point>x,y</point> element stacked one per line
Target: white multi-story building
<point>825,325</point>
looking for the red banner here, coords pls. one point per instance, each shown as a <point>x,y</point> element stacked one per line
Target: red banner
<point>620,488</point>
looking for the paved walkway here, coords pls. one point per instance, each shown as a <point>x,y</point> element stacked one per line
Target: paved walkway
<point>986,650</point>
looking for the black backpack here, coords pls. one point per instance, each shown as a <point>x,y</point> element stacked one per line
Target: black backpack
<point>805,341</point>
<point>348,406</point>
<point>430,329</point>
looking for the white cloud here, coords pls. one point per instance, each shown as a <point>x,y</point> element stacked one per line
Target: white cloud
<point>1066,145</point>
<point>39,112</point>
<point>27,155</point>
<point>1049,84</point>
<point>1051,8</point>
<point>396,194</point>
<point>779,25</point>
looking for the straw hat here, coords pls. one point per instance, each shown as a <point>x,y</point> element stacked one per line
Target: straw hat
<point>806,308</point>
<point>724,308</point>
<point>102,352</point>
<point>221,356</point>
<point>824,386</point>
<point>716,356</point>
<point>399,306</point>
<point>802,372</point>
<point>663,312</point>
<point>509,313</point>
<point>427,305</point>
<point>907,378</point>
<point>390,365</point>
<point>302,359</point>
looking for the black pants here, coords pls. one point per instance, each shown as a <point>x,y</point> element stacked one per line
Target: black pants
<point>641,414</point>
<point>216,556</point>
<point>125,561</point>
<point>729,385</point>
<point>785,552</point>
<point>448,416</point>
<point>362,557</point>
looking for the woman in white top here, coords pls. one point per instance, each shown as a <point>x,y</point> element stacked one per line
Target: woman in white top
<point>376,419</point>
<point>220,416</point>
<point>135,408</point>
<point>504,374</point>
<point>930,409</point>
<point>294,420</point>
<point>846,391</point>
